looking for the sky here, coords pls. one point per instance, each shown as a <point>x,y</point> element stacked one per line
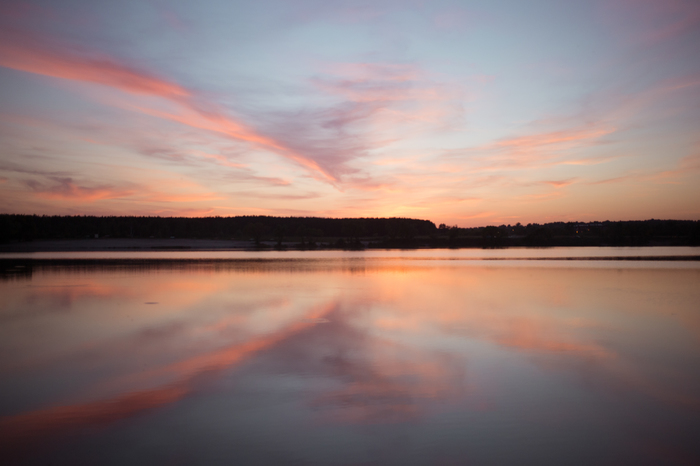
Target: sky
<point>461,112</point>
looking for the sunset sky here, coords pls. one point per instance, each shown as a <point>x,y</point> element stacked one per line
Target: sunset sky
<point>460,112</point>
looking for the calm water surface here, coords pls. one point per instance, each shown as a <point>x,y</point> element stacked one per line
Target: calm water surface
<point>394,358</point>
<point>414,254</point>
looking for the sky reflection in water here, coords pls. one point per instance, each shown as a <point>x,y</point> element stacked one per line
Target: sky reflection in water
<point>352,362</point>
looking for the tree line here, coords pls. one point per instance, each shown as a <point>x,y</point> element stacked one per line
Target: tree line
<point>608,233</point>
<point>33,227</point>
<point>352,232</point>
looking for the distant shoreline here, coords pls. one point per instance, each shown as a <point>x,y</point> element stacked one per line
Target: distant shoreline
<point>185,244</point>
<point>33,233</point>
<point>126,244</point>
<point>100,260</point>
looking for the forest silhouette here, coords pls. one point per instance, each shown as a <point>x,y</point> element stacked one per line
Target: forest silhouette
<point>350,233</point>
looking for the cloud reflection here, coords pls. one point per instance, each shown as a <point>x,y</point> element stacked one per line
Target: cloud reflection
<point>383,344</point>
<point>21,431</point>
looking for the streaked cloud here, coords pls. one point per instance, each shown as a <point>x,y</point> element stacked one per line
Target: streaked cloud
<point>29,53</point>
<point>26,52</point>
<point>66,188</point>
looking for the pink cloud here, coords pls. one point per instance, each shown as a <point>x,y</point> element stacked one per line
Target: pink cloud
<point>221,160</point>
<point>683,82</point>
<point>560,183</point>
<point>182,212</point>
<point>190,116</point>
<point>180,198</point>
<point>67,189</point>
<point>533,150</point>
<point>31,54</point>
<point>685,166</point>
<point>591,160</point>
<point>25,52</point>
<point>557,139</point>
<point>383,83</point>
<point>374,103</point>
<point>541,196</point>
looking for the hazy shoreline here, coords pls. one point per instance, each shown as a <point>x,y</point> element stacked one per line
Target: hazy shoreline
<point>189,244</point>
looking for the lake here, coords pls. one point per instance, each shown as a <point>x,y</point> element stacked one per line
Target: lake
<point>487,357</point>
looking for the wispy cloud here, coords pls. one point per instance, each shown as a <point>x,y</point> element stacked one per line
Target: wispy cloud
<point>38,55</point>
<point>685,167</point>
<point>26,52</point>
<point>557,140</point>
<point>172,18</point>
<point>536,148</point>
<point>394,91</point>
<point>371,104</point>
<point>66,188</point>
<point>530,150</point>
<point>57,188</point>
<point>653,21</point>
<point>560,183</point>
